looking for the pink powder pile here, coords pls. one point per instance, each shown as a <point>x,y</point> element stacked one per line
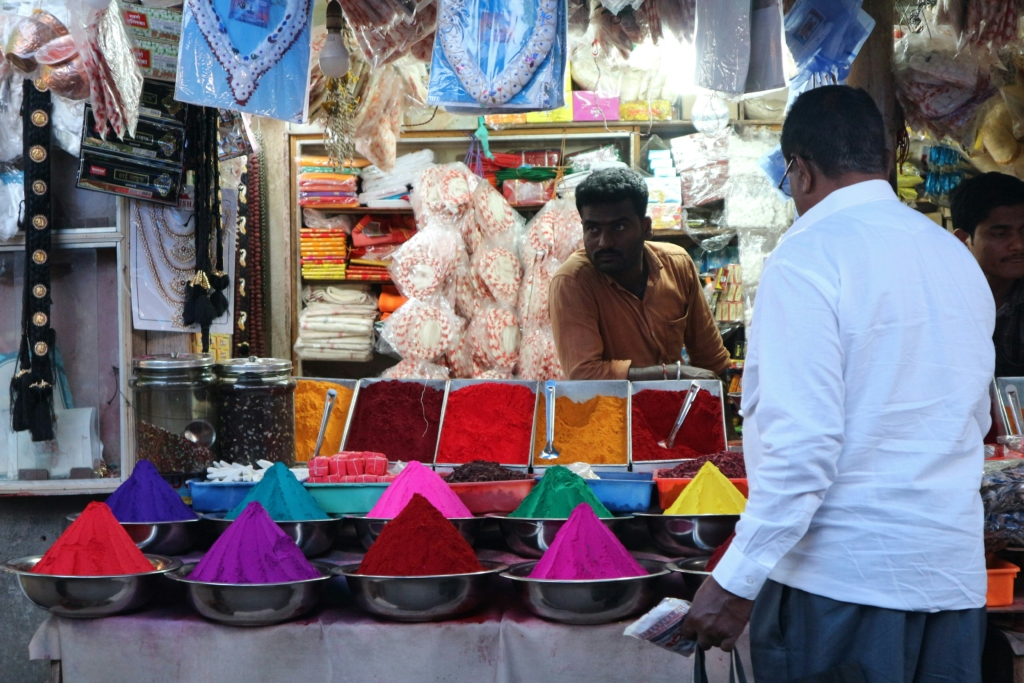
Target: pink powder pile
<point>416,478</point>
<point>585,548</point>
<point>254,550</point>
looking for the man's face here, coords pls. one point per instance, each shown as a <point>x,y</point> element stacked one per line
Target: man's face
<point>998,242</point>
<point>613,235</point>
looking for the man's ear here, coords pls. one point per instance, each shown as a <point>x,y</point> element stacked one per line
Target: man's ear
<point>648,227</point>
<point>964,237</point>
<point>804,175</point>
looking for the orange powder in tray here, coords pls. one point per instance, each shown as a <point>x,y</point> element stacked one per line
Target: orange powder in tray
<point>310,396</point>
<point>593,431</point>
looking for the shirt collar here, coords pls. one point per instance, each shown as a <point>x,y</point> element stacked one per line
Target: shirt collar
<point>843,198</point>
<point>1015,301</point>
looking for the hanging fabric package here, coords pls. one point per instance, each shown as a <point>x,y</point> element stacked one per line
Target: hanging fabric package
<point>489,56</point>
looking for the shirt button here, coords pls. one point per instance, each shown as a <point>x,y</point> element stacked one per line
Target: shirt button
<point>749,581</point>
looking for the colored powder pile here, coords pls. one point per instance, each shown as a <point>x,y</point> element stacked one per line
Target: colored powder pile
<point>593,431</point>
<point>147,497</point>
<point>584,548</point>
<point>710,493</point>
<point>559,492</point>
<point>730,463</point>
<point>253,550</point>
<point>716,556</point>
<point>419,542</point>
<point>282,496</point>
<point>94,545</point>
<point>398,419</point>
<point>417,479</point>
<point>654,413</point>
<point>310,396</point>
<point>481,471</point>
<point>488,422</point>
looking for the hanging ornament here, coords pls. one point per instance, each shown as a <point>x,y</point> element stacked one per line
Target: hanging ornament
<point>340,99</point>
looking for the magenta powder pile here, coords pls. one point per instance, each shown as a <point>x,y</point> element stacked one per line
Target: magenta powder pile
<point>585,548</point>
<point>254,550</point>
<point>417,478</point>
<point>146,497</point>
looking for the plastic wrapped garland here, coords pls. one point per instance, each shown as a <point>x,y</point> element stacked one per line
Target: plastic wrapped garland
<point>556,232</point>
<point>499,270</point>
<point>538,357</point>
<point>378,119</point>
<point>702,162</point>
<point>496,337</point>
<point>384,44</point>
<point>534,309</point>
<point>423,264</point>
<point>991,23</point>
<point>416,369</point>
<point>494,215</point>
<point>444,193</point>
<point>422,330</point>
<point>484,63</point>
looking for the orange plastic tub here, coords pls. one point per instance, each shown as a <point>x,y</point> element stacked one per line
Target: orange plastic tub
<point>1000,583</point>
<point>669,489</point>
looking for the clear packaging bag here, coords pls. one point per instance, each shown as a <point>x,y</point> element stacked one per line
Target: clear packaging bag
<point>422,265</point>
<point>555,232</point>
<point>538,357</point>
<point>722,39</point>
<point>500,271</point>
<point>496,337</point>
<point>423,330</point>
<point>314,218</point>
<point>499,56</point>
<point>416,369</point>
<point>702,162</point>
<point>378,119</point>
<point>661,627</point>
<point>443,193</point>
<point>494,215</point>
<point>534,306</point>
<point>12,194</point>
<point>388,43</point>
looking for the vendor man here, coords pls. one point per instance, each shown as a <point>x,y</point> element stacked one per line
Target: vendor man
<point>988,217</point>
<point>623,307</point>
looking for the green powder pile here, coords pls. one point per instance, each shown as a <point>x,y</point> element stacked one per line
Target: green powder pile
<point>282,496</point>
<point>559,492</point>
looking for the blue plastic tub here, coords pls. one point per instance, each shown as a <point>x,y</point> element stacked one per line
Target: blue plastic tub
<point>217,496</point>
<point>632,494</point>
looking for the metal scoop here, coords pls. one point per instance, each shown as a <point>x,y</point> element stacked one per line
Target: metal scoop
<point>1011,393</point>
<point>328,407</point>
<point>691,394</point>
<point>549,452</point>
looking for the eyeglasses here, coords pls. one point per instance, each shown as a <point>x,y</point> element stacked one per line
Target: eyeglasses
<point>785,190</point>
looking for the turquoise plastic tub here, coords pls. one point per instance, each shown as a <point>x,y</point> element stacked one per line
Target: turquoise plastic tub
<point>346,499</point>
<point>217,496</point>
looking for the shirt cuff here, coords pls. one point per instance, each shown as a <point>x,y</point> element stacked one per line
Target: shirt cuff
<point>740,575</point>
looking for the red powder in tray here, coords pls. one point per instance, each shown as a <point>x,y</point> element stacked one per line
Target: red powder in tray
<point>490,422</point>
<point>398,419</point>
<point>419,542</point>
<point>654,413</point>
<point>94,545</point>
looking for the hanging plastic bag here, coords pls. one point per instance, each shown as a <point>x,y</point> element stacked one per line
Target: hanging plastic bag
<point>538,357</point>
<point>417,369</point>
<point>424,263</point>
<point>422,330</point>
<point>443,194</point>
<point>496,338</point>
<point>12,194</point>
<point>500,271</point>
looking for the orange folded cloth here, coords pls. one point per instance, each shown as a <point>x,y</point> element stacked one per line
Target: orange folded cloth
<point>389,303</point>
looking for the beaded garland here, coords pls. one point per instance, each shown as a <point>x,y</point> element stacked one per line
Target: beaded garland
<point>244,70</point>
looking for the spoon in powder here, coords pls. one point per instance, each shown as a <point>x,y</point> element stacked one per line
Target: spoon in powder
<point>691,394</point>
<point>549,452</point>
<point>331,395</point>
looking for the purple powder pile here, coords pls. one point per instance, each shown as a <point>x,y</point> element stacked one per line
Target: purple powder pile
<point>146,497</point>
<point>254,550</point>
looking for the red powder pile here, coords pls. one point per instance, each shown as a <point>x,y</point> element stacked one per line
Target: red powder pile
<point>729,463</point>
<point>654,413</point>
<point>419,542</point>
<point>490,422</point>
<point>398,419</point>
<point>94,545</point>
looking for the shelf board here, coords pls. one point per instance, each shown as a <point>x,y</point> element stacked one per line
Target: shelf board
<point>364,210</point>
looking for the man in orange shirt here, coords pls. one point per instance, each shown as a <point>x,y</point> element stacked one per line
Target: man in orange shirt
<point>625,308</point>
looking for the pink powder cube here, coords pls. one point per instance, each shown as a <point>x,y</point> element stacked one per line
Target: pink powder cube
<point>355,466</point>
<point>334,479</point>
<point>388,478</point>
<point>377,465</point>
<point>319,467</point>
<point>337,466</point>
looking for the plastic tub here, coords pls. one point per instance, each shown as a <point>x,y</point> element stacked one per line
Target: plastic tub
<point>346,499</point>
<point>623,495</point>
<point>669,489</point>
<point>1000,583</point>
<point>497,497</point>
<point>217,496</point>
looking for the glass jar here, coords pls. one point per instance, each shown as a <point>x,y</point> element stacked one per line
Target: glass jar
<point>175,414</point>
<point>256,407</point>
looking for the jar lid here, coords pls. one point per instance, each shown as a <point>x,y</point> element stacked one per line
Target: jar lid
<point>174,361</point>
<point>252,365</point>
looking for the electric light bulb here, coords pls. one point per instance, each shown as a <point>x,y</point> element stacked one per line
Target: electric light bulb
<point>334,61</point>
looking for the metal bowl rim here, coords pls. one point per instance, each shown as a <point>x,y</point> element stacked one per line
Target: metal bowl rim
<point>388,519</point>
<point>74,515</point>
<point>664,516</point>
<point>582,582</point>
<point>219,517</point>
<point>493,515</point>
<point>490,567</point>
<point>325,569</point>
<point>673,566</point>
<point>173,564</point>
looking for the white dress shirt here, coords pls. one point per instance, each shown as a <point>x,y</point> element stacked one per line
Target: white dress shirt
<point>865,398</point>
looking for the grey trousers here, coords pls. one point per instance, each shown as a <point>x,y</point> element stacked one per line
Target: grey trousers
<point>796,635</point>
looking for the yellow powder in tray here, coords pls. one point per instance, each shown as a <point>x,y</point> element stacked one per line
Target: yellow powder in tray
<point>310,396</point>
<point>710,493</point>
<point>593,431</point>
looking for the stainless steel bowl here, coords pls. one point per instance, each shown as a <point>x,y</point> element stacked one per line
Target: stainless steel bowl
<point>598,601</point>
<point>89,597</point>
<point>421,598</point>
<point>252,604</point>
<point>692,571</point>
<point>531,537</point>
<point>368,529</point>
<point>161,538</point>
<point>690,535</point>
<point>314,537</point>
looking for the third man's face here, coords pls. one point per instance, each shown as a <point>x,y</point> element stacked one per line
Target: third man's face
<point>998,243</point>
<point>613,235</point>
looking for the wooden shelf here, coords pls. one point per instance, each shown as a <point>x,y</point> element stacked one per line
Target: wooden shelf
<point>364,210</point>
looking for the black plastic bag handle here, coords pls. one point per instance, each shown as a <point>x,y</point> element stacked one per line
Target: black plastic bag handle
<point>700,672</point>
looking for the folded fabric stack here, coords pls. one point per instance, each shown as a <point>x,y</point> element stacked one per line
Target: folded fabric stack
<point>323,252</point>
<point>374,239</point>
<point>337,323</point>
<point>390,300</point>
<point>323,186</point>
<point>391,190</point>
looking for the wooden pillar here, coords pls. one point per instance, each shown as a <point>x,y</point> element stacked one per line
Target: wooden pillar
<point>872,70</point>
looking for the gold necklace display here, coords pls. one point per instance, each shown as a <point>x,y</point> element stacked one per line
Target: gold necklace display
<point>170,286</point>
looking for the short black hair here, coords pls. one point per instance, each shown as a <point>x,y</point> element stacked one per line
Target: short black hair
<point>973,200</point>
<point>839,129</point>
<point>611,185</point>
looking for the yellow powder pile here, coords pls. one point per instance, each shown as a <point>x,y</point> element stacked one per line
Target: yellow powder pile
<point>593,431</point>
<point>310,396</point>
<point>710,493</point>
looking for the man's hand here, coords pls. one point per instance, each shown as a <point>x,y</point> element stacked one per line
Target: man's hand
<point>716,617</point>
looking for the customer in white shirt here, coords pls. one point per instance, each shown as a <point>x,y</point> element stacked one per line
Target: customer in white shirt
<point>865,402</point>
